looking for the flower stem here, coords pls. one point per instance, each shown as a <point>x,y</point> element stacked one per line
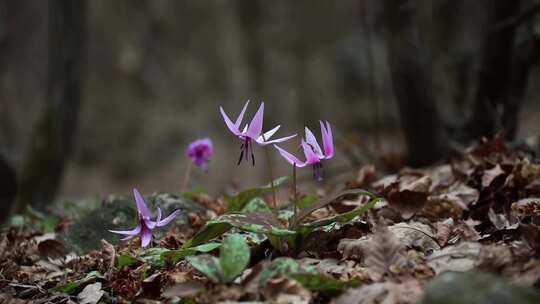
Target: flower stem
<point>295,198</point>
<point>187,175</point>
<point>269,161</point>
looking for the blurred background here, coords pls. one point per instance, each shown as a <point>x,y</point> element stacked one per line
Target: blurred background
<point>97,97</point>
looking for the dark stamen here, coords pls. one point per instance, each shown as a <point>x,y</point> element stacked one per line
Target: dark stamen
<point>318,171</point>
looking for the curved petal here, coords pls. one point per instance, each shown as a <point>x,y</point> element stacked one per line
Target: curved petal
<point>168,219</point>
<point>312,141</point>
<point>311,157</point>
<point>328,141</point>
<point>141,205</point>
<point>133,232</point>
<point>291,159</point>
<point>149,224</point>
<point>266,136</point>
<point>146,237</point>
<point>158,219</point>
<point>232,127</point>
<point>241,116</point>
<point>277,140</point>
<point>129,237</point>
<point>255,127</point>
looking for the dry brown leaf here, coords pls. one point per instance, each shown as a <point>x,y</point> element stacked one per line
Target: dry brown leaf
<point>385,254</point>
<point>490,175</point>
<point>408,195</point>
<point>527,207</point>
<point>52,249</point>
<point>353,248</point>
<point>459,194</point>
<point>494,257</point>
<point>444,231</point>
<point>415,235</point>
<point>283,290</point>
<point>91,294</point>
<point>500,221</point>
<point>461,257</point>
<point>407,292</point>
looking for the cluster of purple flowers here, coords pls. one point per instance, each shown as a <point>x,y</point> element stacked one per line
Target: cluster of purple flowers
<point>251,133</point>
<point>200,151</point>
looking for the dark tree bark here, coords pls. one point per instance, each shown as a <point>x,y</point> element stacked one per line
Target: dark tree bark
<point>8,190</point>
<point>51,143</point>
<point>411,74</point>
<point>493,78</point>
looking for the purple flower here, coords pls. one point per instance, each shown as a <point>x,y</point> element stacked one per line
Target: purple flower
<point>200,152</point>
<point>252,132</point>
<point>145,226</point>
<point>312,150</point>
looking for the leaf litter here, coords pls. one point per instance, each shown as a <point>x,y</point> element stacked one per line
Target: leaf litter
<point>479,212</point>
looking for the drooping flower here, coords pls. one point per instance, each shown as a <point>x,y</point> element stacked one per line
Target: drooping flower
<point>145,225</point>
<point>251,132</point>
<point>200,152</point>
<point>312,151</point>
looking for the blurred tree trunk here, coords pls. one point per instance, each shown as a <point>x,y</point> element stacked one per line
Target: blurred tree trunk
<point>8,190</point>
<point>411,74</point>
<point>51,142</point>
<point>492,98</point>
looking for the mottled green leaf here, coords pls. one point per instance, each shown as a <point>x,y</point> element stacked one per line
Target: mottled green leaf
<point>306,201</point>
<point>317,281</point>
<point>238,202</point>
<point>154,256</point>
<point>328,200</point>
<point>210,231</point>
<point>126,260</point>
<point>233,256</point>
<point>68,288</point>
<point>340,218</point>
<point>208,265</point>
<point>279,266</point>
<point>254,222</point>
<point>257,204</point>
<point>74,286</point>
<point>177,255</point>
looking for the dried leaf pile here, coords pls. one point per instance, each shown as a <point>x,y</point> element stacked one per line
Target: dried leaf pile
<point>479,212</point>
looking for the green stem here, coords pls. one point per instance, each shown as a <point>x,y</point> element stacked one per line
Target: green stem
<point>295,198</point>
<point>269,161</point>
<point>187,175</point>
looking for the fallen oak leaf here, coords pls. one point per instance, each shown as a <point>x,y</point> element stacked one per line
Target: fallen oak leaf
<point>385,255</point>
<point>408,195</point>
<point>91,294</point>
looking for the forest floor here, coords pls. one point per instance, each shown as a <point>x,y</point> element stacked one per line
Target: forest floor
<point>463,231</point>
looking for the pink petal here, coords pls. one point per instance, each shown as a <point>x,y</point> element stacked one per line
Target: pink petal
<point>311,157</point>
<point>158,219</point>
<point>168,219</point>
<point>129,237</point>
<point>133,232</point>
<point>268,134</point>
<point>277,140</point>
<point>232,127</point>
<point>291,159</point>
<point>255,127</point>
<point>146,237</point>
<point>328,141</point>
<point>149,223</point>
<point>310,138</point>
<point>241,116</point>
<point>141,205</point>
